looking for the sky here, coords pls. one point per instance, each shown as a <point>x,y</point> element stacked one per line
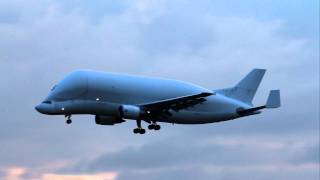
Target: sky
<point>208,42</point>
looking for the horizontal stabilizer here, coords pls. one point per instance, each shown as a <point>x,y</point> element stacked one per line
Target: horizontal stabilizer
<point>272,102</point>
<point>273,99</point>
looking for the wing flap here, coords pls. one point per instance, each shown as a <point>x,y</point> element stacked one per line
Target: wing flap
<point>176,104</point>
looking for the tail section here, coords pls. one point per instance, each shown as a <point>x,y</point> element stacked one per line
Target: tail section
<point>272,102</point>
<point>273,99</point>
<point>246,89</point>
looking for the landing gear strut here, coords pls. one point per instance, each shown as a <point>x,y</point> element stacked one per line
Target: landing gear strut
<point>139,130</point>
<point>68,119</point>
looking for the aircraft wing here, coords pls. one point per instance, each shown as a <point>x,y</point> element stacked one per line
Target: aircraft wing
<point>175,104</point>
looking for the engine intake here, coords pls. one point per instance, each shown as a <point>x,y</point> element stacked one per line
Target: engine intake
<point>130,112</point>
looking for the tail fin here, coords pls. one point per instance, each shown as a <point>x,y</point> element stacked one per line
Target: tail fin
<point>246,89</point>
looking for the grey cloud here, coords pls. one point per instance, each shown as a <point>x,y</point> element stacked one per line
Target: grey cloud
<point>173,33</point>
<point>186,174</point>
<point>8,17</point>
<point>309,154</point>
<point>190,157</point>
<point>2,174</point>
<point>194,151</point>
<point>221,174</point>
<point>96,11</point>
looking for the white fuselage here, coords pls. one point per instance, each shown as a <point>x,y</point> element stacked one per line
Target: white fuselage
<point>99,93</point>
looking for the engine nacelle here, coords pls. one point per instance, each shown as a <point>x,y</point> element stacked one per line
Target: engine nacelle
<point>108,120</point>
<point>130,112</point>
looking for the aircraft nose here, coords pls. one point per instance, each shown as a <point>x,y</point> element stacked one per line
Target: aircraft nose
<point>43,108</point>
<point>39,108</point>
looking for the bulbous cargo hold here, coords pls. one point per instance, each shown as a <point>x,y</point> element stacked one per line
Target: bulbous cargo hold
<point>113,98</point>
<point>73,86</point>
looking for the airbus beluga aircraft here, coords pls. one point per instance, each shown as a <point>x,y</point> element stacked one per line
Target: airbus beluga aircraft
<point>115,98</point>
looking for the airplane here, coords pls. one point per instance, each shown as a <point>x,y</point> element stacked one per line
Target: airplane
<point>115,98</point>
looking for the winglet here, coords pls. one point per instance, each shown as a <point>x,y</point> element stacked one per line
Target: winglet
<point>273,99</point>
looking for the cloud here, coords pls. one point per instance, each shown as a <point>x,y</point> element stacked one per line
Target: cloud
<point>13,173</point>
<point>228,172</point>
<point>104,176</point>
<point>215,157</point>
<point>18,173</point>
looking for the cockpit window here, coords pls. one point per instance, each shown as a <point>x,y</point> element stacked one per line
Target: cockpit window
<point>47,102</point>
<point>53,87</point>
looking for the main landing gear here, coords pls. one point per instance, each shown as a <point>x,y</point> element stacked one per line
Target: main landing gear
<point>68,119</point>
<point>139,130</point>
<point>154,126</point>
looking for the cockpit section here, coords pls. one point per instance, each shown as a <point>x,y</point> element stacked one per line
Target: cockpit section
<point>47,102</point>
<point>53,87</point>
<point>74,85</point>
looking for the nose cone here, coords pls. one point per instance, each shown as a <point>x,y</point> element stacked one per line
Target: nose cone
<point>40,108</point>
<point>44,108</point>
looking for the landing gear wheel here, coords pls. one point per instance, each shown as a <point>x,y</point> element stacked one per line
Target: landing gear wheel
<point>142,131</point>
<point>139,130</point>
<point>157,127</point>
<point>151,126</point>
<point>136,131</point>
<point>68,119</point>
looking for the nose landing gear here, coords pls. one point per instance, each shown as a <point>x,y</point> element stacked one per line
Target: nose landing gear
<point>68,119</point>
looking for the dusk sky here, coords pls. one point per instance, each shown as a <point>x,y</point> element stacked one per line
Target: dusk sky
<point>211,43</point>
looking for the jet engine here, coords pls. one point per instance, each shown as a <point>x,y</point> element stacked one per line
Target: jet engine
<point>130,112</point>
<point>108,120</point>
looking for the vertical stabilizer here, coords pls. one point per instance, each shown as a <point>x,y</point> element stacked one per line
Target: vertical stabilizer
<point>246,89</point>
